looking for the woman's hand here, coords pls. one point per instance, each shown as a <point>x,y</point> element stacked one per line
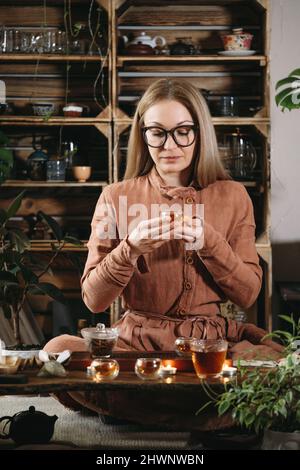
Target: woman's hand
<point>277,347</point>
<point>191,231</point>
<point>150,234</point>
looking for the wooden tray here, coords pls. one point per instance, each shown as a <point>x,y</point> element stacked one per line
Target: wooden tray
<point>126,360</point>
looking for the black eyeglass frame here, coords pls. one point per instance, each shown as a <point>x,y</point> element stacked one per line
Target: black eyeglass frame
<point>167,132</point>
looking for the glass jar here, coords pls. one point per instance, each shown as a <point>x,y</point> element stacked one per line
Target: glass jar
<point>100,340</point>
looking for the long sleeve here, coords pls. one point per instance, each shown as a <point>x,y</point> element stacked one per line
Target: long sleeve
<point>108,267</point>
<point>234,264</point>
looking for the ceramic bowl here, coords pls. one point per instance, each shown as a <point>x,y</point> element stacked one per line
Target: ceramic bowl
<point>43,109</point>
<point>237,41</point>
<point>82,173</point>
<point>9,364</point>
<point>72,110</point>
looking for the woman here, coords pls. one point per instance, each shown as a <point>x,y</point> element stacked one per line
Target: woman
<point>172,274</point>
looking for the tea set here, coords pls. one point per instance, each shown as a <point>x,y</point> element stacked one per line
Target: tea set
<point>237,43</point>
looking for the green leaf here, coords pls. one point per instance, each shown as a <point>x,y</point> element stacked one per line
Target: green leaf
<point>203,407</point>
<point>73,240</point>
<point>7,278</point>
<point>285,81</point>
<point>45,288</point>
<point>296,73</point>
<point>15,205</point>
<point>29,276</point>
<point>288,319</point>
<point>18,240</point>
<point>223,407</point>
<point>52,224</point>
<point>249,419</point>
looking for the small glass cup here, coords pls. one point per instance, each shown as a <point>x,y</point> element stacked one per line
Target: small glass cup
<point>183,346</point>
<point>148,368</point>
<point>104,369</point>
<point>229,106</point>
<point>56,170</point>
<point>208,356</point>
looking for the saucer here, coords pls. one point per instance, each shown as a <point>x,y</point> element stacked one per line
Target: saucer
<point>236,53</point>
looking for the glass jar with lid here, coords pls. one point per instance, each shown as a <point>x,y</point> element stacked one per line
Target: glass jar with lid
<point>100,340</point>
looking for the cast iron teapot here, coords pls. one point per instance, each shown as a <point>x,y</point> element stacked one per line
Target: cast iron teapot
<point>28,427</point>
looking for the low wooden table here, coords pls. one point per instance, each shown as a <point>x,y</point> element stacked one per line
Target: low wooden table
<point>168,403</point>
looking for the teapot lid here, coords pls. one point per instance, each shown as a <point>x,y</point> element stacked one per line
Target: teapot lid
<point>38,155</point>
<point>100,332</point>
<point>237,133</point>
<point>143,35</point>
<point>237,30</point>
<point>31,412</point>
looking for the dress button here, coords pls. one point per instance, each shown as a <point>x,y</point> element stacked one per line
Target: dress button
<point>181,311</point>
<point>188,285</point>
<point>189,260</point>
<point>189,200</point>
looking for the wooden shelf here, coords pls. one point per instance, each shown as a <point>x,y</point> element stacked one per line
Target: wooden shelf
<point>190,58</point>
<point>52,121</point>
<point>50,58</point>
<point>220,121</point>
<point>45,245</point>
<point>52,184</point>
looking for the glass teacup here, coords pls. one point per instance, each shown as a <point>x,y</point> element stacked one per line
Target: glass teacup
<point>148,368</point>
<point>208,356</point>
<point>104,369</point>
<point>183,346</point>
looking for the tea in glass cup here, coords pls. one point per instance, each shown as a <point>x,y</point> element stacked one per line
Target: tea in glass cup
<point>208,356</point>
<point>183,346</point>
<point>148,368</point>
<point>100,340</point>
<point>104,369</point>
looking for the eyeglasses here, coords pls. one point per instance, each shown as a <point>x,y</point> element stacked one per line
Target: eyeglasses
<point>183,136</point>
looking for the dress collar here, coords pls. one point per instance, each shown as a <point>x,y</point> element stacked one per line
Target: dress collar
<point>172,192</point>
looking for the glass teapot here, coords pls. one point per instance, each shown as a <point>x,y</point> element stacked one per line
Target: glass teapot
<point>241,155</point>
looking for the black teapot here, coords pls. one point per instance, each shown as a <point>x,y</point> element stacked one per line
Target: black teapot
<point>182,47</point>
<point>29,427</point>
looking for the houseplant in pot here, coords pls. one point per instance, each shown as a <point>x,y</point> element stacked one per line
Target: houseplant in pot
<point>21,271</point>
<point>268,401</point>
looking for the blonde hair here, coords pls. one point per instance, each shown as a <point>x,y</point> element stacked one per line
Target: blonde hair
<point>208,167</point>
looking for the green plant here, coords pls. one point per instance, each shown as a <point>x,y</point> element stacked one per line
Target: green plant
<point>289,95</point>
<point>262,400</point>
<point>20,270</point>
<point>6,158</point>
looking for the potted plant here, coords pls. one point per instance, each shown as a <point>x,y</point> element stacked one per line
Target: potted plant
<point>289,95</point>
<point>20,270</point>
<point>267,401</point>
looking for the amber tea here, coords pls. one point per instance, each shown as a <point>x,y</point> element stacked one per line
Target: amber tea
<point>105,369</point>
<point>148,368</point>
<point>208,357</point>
<point>183,346</point>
